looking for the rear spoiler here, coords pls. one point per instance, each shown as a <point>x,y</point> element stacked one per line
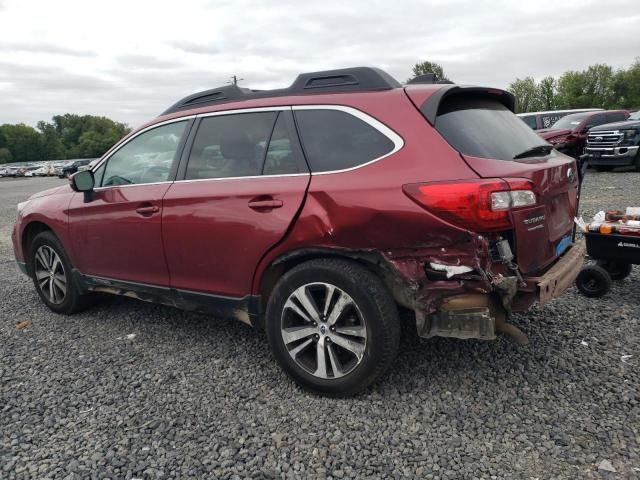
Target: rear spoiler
<point>431,105</point>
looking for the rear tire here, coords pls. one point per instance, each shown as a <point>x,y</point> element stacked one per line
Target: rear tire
<point>617,270</point>
<point>332,326</point>
<point>593,281</point>
<point>52,275</point>
<point>603,168</point>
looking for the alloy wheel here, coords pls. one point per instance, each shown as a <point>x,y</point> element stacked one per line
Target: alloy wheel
<point>50,274</point>
<point>323,330</point>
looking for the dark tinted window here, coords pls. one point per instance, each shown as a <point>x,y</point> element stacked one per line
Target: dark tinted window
<point>596,120</point>
<point>484,128</point>
<point>230,145</point>
<point>531,121</point>
<point>616,117</point>
<point>335,140</point>
<point>281,154</point>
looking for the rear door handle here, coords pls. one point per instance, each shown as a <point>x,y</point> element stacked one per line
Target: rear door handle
<point>265,204</point>
<point>147,210</point>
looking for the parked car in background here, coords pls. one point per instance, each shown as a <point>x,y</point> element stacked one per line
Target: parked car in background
<point>569,134</point>
<point>316,212</point>
<point>89,165</point>
<point>72,167</point>
<point>26,171</point>
<point>540,120</point>
<point>12,171</point>
<point>43,171</point>
<point>615,144</point>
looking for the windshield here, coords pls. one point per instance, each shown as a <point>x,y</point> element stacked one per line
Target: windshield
<point>635,116</point>
<point>570,121</point>
<point>483,127</point>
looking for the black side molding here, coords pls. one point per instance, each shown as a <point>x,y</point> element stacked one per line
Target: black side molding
<point>246,309</point>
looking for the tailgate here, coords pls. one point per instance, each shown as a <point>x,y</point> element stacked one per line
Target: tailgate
<point>541,233</point>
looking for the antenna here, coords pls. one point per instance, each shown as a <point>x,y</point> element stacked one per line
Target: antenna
<point>234,80</point>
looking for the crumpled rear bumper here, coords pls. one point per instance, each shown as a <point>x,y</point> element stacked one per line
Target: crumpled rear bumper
<point>559,277</point>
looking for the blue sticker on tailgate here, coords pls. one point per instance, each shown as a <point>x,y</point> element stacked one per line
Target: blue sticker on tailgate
<point>563,244</point>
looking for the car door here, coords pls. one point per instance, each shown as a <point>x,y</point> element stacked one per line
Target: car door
<point>235,198</point>
<point>116,229</point>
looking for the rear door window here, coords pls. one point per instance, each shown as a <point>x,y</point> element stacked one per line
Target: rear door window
<point>483,127</point>
<point>228,146</point>
<point>337,140</point>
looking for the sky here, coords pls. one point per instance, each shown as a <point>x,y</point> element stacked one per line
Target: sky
<point>129,60</point>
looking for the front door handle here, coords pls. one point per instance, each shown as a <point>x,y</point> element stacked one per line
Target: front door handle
<point>147,210</point>
<point>265,204</point>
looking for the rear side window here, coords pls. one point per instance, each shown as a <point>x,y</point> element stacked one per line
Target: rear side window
<point>531,121</point>
<point>337,140</point>
<point>616,117</point>
<point>230,146</point>
<point>483,127</point>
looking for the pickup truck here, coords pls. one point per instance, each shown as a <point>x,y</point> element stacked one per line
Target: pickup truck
<point>615,144</point>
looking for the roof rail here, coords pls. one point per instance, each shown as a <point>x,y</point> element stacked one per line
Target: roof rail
<point>356,79</point>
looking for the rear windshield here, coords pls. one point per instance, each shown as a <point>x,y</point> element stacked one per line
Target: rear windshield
<point>483,127</point>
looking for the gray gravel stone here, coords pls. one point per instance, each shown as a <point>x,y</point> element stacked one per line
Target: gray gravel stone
<point>191,396</point>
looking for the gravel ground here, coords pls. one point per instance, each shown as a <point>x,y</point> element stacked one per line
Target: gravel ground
<point>128,389</point>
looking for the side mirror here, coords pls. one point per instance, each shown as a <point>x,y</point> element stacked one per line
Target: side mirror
<point>82,181</point>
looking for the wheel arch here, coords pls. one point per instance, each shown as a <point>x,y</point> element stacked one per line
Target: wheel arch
<point>30,231</point>
<point>369,259</point>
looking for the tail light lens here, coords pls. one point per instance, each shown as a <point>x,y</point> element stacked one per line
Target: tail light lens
<point>479,206</point>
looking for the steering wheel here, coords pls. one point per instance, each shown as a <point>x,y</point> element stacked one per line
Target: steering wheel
<point>154,174</point>
<point>116,180</point>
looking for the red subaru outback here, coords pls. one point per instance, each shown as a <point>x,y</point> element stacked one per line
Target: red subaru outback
<point>318,212</point>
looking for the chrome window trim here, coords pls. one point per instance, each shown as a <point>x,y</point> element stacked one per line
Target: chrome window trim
<point>125,141</point>
<point>99,189</point>
<point>397,140</point>
<point>244,110</point>
<point>253,177</point>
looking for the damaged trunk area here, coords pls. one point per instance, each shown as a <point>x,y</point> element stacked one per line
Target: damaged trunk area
<point>466,291</point>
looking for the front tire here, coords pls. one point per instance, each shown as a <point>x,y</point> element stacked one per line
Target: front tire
<point>332,326</point>
<point>52,275</point>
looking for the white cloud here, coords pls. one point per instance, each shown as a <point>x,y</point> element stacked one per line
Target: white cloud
<point>129,60</point>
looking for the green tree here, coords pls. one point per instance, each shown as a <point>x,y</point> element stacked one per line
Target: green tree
<point>626,86</point>
<point>547,93</point>
<point>23,142</point>
<point>52,146</point>
<point>5,155</point>
<point>526,93</point>
<point>593,87</point>
<point>429,67</point>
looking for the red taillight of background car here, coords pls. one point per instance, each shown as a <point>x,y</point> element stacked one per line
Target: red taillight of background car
<point>476,205</point>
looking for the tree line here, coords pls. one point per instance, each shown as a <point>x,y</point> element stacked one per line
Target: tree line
<point>66,136</point>
<point>597,86</point>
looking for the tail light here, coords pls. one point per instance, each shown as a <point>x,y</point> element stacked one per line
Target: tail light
<point>479,206</point>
